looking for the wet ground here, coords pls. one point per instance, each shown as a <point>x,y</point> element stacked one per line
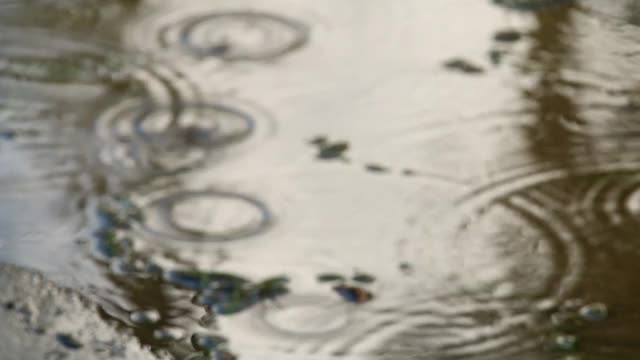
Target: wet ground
<point>330,180</point>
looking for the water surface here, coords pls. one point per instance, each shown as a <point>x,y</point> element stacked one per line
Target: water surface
<point>476,160</point>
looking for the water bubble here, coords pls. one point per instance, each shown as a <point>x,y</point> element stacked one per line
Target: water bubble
<point>207,320</point>
<point>566,342</point>
<point>144,317</point>
<point>167,334</point>
<point>594,312</point>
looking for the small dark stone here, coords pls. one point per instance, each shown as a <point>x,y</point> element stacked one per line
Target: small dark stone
<point>9,305</point>
<point>68,341</point>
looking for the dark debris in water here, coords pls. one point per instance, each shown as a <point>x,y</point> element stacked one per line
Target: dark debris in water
<point>328,150</point>
<point>118,212</point>
<point>463,66</point>
<point>530,5</point>
<point>376,168</point>
<point>353,294</point>
<point>329,277</point>
<point>363,278</point>
<point>507,36</point>
<point>68,341</point>
<point>109,244</point>
<point>227,294</point>
<point>333,151</point>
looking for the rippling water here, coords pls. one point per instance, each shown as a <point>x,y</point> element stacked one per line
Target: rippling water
<point>197,167</point>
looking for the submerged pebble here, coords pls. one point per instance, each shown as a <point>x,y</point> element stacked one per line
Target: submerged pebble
<point>353,294</point>
<point>208,343</point>
<point>145,317</point>
<point>68,341</point>
<point>594,312</point>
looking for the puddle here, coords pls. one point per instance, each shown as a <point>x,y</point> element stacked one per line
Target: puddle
<point>269,179</point>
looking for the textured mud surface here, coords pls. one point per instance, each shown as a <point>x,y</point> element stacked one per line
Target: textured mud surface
<point>43,321</point>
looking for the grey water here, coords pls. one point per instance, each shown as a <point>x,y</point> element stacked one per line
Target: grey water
<point>346,179</point>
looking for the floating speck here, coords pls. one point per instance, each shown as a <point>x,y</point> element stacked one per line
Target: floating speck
<point>566,342</point>
<point>333,151</point>
<point>463,66</point>
<point>375,168</point>
<point>68,341</point>
<point>145,317</point>
<point>329,277</point>
<point>594,312</point>
<point>409,172</point>
<point>406,268</point>
<point>363,278</point>
<point>319,140</point>
<point>353,294</point>
<point>508,35</point>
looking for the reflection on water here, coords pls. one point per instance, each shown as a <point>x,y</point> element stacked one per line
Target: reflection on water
<point>270,179</point>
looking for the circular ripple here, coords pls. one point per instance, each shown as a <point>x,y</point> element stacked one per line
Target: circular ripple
<point>205,216</point>
<point>138,139</point>
<point>237,35</point>
<point>310,316</point>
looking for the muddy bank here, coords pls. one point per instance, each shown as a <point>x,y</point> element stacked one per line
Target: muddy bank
<point>43,321</point>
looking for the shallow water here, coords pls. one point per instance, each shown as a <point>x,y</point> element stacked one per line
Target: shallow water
<point>476,159</point>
